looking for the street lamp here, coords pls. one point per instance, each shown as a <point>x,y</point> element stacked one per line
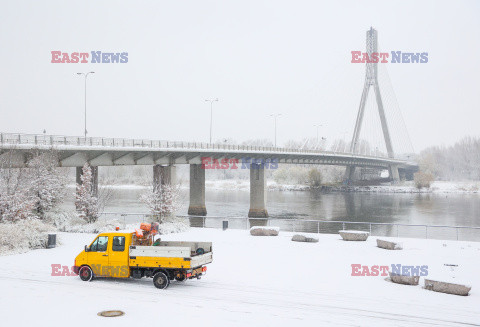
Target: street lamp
<point>344,142</point>
<point>85,75</point>
<point>317,126</point>
<point>211,114</point>
<point>275,116</point>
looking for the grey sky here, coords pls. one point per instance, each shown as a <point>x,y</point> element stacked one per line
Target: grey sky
<point>257,57</point>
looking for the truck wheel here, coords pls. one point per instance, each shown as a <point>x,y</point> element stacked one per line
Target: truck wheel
<point>160,280</point>
<point>85,273</point>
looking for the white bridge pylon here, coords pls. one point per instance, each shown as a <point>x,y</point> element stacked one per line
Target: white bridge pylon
<point>371,80</point>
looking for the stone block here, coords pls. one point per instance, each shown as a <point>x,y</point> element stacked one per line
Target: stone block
<point>353,235</point>
<point>445,287</point>
<point>389,245</point>
<point>264,231</point>
<point>303,238</point>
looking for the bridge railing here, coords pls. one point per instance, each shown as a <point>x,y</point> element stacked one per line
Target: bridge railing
<point>441,232</point>
<point>56,140</point>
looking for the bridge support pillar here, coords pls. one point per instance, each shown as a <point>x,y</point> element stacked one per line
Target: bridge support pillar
<point>258,195</point>
<point>79,173</point>
<point>197,191</point>
<point>349,174</point>
<point>163,175</point>
<point>408,175</point>
<point>394,174</point>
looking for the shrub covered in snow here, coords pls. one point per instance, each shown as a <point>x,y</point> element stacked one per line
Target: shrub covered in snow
<point>16,206</point>
<point>423,179</point>
<point>314,177</point>
<point>96,227</point>
<point>23,235</point>
<point>172,225</point>
<point>62,220</point>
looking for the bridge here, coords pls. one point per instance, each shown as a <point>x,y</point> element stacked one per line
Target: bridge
<point>16,149</point>
<point>71,151</point>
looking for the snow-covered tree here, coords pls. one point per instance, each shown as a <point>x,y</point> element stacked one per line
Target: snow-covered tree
<point>32,191</point>
<point>47,183</point>
<point>85,201</point>
<point>162,201</point>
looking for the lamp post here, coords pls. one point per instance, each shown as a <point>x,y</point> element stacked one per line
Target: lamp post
<point>317,126</point>
<point>211,114</point>
<point>275,116</point>
<point>85,75</point>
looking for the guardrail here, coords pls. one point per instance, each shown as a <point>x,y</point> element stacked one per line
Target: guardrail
<point>54,140</point>
<point>442,232</point>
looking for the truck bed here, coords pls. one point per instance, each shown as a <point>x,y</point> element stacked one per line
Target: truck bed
<point>171,255</point>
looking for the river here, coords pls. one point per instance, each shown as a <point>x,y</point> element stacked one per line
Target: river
<point>451,209</point>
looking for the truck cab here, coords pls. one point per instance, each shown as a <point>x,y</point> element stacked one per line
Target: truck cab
<point>107,255</point>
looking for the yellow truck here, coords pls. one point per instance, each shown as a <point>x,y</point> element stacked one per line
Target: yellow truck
<point>115,255</point>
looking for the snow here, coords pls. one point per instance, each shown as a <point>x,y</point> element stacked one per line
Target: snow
<point>253,281</point>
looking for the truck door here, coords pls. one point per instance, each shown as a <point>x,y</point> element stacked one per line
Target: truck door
<point>118,258</point>
<point>98,256</point>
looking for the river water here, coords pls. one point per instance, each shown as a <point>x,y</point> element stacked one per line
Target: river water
<point>423,209</point>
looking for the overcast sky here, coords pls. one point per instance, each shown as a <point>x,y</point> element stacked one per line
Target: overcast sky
<point>257,57</point>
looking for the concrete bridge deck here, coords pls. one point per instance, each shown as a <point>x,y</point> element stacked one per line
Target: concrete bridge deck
<point>16,149</point>
<point>76,151</point>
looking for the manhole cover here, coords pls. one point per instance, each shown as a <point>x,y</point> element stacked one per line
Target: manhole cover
<point>111,313</point>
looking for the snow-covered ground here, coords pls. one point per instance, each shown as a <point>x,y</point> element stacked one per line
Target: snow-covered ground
<point>253,281</point>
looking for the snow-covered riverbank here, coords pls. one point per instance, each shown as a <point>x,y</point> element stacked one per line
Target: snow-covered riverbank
<point>409,187</point>
<point>253,281</point>
<point>403,187</point>
<point>244,185</point>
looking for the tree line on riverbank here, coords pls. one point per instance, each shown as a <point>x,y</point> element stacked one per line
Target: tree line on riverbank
<point>460,161</point>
